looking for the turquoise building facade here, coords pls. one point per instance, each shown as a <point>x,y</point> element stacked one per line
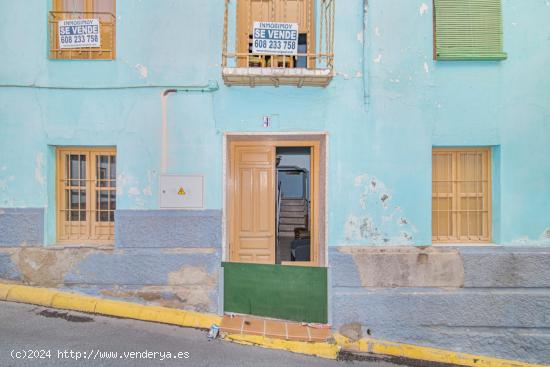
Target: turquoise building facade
<point>388,105</point>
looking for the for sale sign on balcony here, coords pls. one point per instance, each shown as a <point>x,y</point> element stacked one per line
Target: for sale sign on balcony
<point>275,38</point>
<point>76,33</point>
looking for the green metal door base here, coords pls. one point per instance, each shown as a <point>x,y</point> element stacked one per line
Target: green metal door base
<point>285,292</point>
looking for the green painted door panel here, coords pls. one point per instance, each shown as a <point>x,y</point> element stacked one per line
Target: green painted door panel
<point>285,292</point>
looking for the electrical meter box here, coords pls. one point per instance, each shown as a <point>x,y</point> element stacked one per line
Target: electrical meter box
<point>181,191</point>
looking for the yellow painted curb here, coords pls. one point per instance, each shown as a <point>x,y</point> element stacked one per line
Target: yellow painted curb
<point>4,290</point>
<point>374,346</point>
<point>36,296</point>
<point>118,309</point>
<point>76,302</point>
<point>163,315</point>
<point>201,320</point>
<point>324,350</point>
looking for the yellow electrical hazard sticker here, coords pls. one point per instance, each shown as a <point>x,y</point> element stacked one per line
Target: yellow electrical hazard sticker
<point>181,191</point>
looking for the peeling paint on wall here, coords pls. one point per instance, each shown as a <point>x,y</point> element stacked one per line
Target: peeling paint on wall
<point>407,266</point>
<point>191,275</point>
<point>123,180</point>
<point>378,220</point>
<point>194,298</point>
<point>130,185</point>
<point>148,190</point>
<point>45,267</point>
<point>344,75</point>
<point>423,8</point>
<point>543,240</point>
<point>133,191</point>
<point>135,194</point>
<point>3,184</point>
<point>190,287</point>
<point>142,71</point>
<point>39,169</point>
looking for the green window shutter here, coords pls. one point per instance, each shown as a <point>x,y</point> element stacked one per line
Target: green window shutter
<point>468,30</point>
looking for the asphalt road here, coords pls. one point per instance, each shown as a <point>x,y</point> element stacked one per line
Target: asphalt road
<point>60,338</point>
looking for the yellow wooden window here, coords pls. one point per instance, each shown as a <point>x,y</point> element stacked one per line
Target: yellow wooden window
<point>86,195</point>
<point>461,195</point>
<point>286,11</point>
<point>103,10</point>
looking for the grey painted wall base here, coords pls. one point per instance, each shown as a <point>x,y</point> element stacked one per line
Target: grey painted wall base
<point>168,228</point>
<point>495,301</point>
<point>506,324</point>
<point>168,258</point>
<point>21,226</point>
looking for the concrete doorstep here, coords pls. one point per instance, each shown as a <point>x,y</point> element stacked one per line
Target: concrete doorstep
<point>338,347</point>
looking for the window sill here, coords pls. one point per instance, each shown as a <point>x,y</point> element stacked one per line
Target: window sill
<point>95,246</point>
<point>276,76</point>
<point>61,58</point>
<point>465,244</point>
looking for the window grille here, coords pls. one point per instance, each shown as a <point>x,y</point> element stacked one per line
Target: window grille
<point>86,195</point>
<point>461,195</point>
<point>103,10</point>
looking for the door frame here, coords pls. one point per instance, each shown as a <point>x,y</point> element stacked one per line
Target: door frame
<point>319,208</point>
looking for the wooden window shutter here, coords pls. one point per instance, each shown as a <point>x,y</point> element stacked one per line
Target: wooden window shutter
<point>461,195</point>
<point>468,30</point>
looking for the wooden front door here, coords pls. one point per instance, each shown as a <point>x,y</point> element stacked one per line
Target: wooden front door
<point>252,203</point>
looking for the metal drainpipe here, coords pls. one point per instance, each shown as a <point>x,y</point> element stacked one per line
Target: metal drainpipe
<point>212,86</point>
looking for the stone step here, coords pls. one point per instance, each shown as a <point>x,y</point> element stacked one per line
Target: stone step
<point>293,208</point>
<point>292,201</point>
<point>299,221</point>
<point>289,234</point>
<point>289,227</point>
<point>283,214</point>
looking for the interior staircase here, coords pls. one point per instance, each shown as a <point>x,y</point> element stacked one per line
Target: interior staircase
<point>293,214</point>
